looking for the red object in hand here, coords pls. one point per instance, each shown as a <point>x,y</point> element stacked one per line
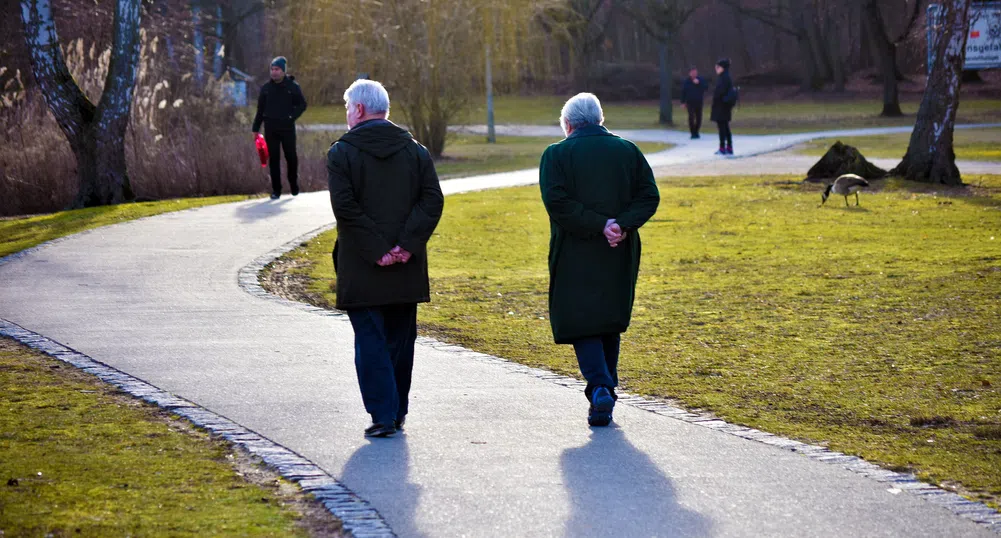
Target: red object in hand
<point>262,149</point>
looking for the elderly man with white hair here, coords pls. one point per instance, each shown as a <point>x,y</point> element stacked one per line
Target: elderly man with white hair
<point>387,201</point>
<point>598,190</point>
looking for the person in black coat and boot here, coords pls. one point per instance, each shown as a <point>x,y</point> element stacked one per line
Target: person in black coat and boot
<point>693,91</point>
<point>724,98</point>
<point>279,104</point>
<point>387,201</point>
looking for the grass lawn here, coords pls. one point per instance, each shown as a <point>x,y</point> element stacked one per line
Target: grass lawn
<point>79,459</point>
<point>749,118</point>
<point>970,144</point>
<point>467,155</point>
<point>873,330</point>
<point>17,234</point>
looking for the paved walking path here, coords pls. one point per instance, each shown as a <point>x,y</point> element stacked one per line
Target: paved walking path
<point>695,157</point>
<point>489,450</point>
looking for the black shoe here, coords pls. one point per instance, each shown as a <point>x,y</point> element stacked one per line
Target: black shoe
<point>598,418</point>
<point>602,404</point>
<point>295,191</point>
<point>380,430</point>
<point>399,423</point>
<point>695,137</point>
<point>275,196</point>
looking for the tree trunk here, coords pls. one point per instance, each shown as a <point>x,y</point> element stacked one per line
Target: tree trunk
<point>807,64</point>
<point>738,22</point>
<point>930,156</point>
<point>218,50</point>
<point>818,48</point>
<point>887,53</point>
<point>198,43</point>
<point>491,134</point>
<point>666,113</point>
<point>833,36</point>
<point>95,134</point>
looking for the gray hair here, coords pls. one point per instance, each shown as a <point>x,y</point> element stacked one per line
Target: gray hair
<point>368,93</point>
<point>580,110</point>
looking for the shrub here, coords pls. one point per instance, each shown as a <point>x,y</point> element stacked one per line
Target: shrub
<point>182,140</point>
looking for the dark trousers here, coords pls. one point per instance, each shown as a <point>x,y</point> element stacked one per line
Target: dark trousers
<point>725,136</point>
<point>282,140</point>
<point>384,358</point>
<point>694,117</point>
<point>598,357</point>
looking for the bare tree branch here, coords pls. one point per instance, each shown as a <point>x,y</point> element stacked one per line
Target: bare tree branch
<point>915,11</point>
<point>765,17</point>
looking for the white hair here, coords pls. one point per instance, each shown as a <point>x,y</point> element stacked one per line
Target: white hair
<point>580,110</point>
<point>368,93</point>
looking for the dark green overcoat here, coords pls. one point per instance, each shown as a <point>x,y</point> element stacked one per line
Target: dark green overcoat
<point>591,177</point>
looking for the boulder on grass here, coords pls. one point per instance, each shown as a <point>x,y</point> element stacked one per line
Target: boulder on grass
<point>843,159</point>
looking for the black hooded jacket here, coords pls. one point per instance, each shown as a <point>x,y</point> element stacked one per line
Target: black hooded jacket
<point>384,191</point>
<point>279,104</point>
<point>724,98</point>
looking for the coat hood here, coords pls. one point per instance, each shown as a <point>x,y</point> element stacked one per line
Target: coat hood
<point>381,139</point>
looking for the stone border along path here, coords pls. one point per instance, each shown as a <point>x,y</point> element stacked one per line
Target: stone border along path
<point>897,482</point>
<point>357,516</point>
<point>204,343</point>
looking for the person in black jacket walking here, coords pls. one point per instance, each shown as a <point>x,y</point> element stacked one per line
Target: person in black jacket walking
<point>279,104</point>
<point>724,98</point>
<point>387,201</point>
<point>692,94</point>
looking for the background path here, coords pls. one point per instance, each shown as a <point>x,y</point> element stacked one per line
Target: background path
<point>488,451</point>
<point>696,157</point>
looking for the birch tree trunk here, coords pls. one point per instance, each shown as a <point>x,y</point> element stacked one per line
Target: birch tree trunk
<point>96,133</point>
<point>930,155</point>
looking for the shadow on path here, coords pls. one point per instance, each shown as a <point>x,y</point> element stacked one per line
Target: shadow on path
<point>616,490</point>
<point>383,466</point>
<point>261,209</point>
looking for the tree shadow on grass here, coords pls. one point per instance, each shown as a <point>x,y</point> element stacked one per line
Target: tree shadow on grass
<point>617,490</point>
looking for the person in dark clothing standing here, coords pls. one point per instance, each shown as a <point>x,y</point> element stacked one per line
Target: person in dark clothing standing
<point>598,190</point>
<point>724,98</point>
<point>387,201</point>
<point>278,106</point>
<point>692,94</point>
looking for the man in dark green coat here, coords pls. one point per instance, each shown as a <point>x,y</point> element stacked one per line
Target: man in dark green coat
<point>387,202</point>
<point>599,190</point>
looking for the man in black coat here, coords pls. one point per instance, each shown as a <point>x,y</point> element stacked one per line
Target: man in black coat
<point>692,93</point>
<point>387,201</point>
<point>724,99</point>
<point>279,104</point>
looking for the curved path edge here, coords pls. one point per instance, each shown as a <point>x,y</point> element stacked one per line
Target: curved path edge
<point>356,514</point>
<point>895,481</point>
